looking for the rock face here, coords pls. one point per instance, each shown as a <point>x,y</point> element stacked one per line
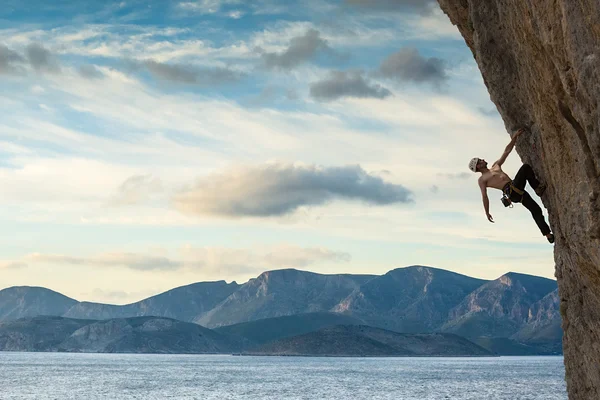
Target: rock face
<point>540,61</point>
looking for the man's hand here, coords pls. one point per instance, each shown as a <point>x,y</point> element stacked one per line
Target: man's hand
<point>489,217</point>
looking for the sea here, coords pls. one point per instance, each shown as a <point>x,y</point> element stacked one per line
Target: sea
<point>58,376</point>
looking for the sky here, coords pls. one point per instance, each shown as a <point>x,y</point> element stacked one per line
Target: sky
<point>146,145</point>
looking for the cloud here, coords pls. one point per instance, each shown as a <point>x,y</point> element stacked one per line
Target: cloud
<point>12,265</point>
<point>209,260</point>
<point>190,74</point>
<point>459,175</point>
<point>41,59</point>
<point>36,56</point>
<point>279,189</point>
<point>423,6</point>
<point>407,65</point>
<point>90,72</point>
<point>206,6</point>
<point>10,61</point>
<point>347,84</point>
<point>292,256</point>
<point>136,190</point>
<point>130,260</point>
<point>220,260</point>
<point>301,49</point>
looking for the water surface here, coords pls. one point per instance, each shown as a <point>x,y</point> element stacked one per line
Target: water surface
<point>133,376</point>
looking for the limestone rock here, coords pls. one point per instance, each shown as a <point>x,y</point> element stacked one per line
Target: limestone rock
<point>540,61</point>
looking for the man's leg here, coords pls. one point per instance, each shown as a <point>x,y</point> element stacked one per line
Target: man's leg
<point>526,174</point>
<point>536,212</point>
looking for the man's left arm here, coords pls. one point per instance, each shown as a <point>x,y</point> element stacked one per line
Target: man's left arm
<point>509,147</point>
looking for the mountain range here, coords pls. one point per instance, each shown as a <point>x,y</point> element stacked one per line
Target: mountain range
<point>122,335</point>
<point>512,311</point>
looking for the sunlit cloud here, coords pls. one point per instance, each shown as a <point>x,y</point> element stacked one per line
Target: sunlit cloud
<point>279,189</point>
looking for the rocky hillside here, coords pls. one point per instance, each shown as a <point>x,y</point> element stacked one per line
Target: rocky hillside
<point>499,308</point>
<point>540,63</point>
<point>363,341</point>
<point>266,330</point>
<point>412,299</point>
<point>25,301</point>
<point>126,335</point>
<point>543,324</point>
<point>184,303</point>
<point>282,292</point>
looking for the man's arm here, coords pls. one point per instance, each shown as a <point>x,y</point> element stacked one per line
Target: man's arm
<point>486,200</point>
<point>509,147</point>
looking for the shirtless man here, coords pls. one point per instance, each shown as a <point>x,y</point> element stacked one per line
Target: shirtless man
<point>513,189</point>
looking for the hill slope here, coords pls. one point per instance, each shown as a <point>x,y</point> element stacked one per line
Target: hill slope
<point>265,330</point>
<point>411,299</point>
<point>125,335</point>
<point>26,301</point>
<point>498,308</point>
<point>361,340</point>
<point>184,303</point>
<point>282,292</point>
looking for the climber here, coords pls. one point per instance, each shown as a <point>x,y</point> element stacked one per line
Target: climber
<point>513,190</point>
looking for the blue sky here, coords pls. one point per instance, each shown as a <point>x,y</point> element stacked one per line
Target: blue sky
<point>146,145</point>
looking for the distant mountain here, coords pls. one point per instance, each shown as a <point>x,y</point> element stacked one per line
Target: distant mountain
<point>498,308</point>
<point>266,330</point>
<point>510,347</point>
<point>544,322</point>
<point>38,333</point>
<point>26,301</point>
<point>125,335</point>
<point>361,340</point>
<point>280,293</point>
<point>411,299</point>
<point>184,303</point>
<point>515,313</point>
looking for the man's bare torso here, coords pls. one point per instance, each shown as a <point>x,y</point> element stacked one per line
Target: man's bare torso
<point>495,178</point>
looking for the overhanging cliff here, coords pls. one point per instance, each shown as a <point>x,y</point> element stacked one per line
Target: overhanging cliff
<point>540,60</point>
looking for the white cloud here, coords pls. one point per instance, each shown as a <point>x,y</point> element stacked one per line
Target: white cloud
<point>208,260</point>
<point>206,6</point>
<point>280,189</point>
<point>136,189</point>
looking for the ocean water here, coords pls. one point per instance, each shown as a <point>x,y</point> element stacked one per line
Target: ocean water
<point>60,376</point>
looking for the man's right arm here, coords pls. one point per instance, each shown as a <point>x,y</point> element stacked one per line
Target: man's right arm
<point>486,200</point>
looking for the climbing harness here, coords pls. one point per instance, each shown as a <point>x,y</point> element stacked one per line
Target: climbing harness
<point>508,189</point>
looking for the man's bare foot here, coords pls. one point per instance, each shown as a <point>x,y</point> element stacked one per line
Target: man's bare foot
<point>540,189</point>
<point>550,237</point>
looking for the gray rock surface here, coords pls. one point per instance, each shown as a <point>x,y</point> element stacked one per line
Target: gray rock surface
<point>540,61</point>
